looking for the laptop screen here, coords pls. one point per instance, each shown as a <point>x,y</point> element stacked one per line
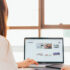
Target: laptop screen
<point>44,49</point>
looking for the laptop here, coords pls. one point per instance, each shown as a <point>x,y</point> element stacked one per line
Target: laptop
<point>48,52</point>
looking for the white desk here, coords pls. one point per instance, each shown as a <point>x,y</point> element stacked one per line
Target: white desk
<point>39,69</point>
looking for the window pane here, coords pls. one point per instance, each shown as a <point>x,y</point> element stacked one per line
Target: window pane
<point>52,33</point>
<point>66,34</point>
<point>58,33</point>
<point>57,11</point>
<point>16,39</point>
<point>23,12</point>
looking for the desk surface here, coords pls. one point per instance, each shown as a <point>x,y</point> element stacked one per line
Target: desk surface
<point>37,69</point>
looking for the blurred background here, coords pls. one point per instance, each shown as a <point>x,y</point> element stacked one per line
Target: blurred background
<point>37,18</point>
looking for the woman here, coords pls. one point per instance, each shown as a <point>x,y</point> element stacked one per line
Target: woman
<point>6,58</point>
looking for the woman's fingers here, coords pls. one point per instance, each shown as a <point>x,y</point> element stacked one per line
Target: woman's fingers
<point>66,67</point>
<point>31,61</point>
<point>28,62</point>
<point>62,69</point>
<point>34,62</point>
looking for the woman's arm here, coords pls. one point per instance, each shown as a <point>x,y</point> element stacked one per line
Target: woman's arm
<point>26,63</point>
<point>66,67</point>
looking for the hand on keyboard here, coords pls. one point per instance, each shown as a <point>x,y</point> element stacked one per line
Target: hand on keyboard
<point>27,63</point>
<point>67,67</point>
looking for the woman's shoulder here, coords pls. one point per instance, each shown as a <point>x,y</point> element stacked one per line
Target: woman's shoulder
<point>3,38</point>
<point>3,41</point>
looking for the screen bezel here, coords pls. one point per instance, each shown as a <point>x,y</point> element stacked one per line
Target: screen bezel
<point>46,38</point>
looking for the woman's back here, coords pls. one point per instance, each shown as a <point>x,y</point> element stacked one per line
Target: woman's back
<point>6,58</point>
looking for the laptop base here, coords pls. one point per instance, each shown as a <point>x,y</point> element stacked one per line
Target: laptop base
<point>54,66</point>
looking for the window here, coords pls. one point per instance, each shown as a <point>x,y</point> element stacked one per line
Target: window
<point>23,21</point>
<point>57,11</point>
<point>37,18</point>
<point>52,33</point>
<point>23,12</point>
<point>16,37</point>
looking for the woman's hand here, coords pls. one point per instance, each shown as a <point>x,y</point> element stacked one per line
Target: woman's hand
<point>26,63</point>
<point>67,67</point>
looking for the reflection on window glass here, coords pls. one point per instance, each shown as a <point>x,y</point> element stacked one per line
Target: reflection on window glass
<point>57,11</point>
<point>23,12</point>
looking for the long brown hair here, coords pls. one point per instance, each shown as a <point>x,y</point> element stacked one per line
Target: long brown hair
<point>3,17</point>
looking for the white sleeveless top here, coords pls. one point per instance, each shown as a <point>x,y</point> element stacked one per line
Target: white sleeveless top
<point>6,58</point>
